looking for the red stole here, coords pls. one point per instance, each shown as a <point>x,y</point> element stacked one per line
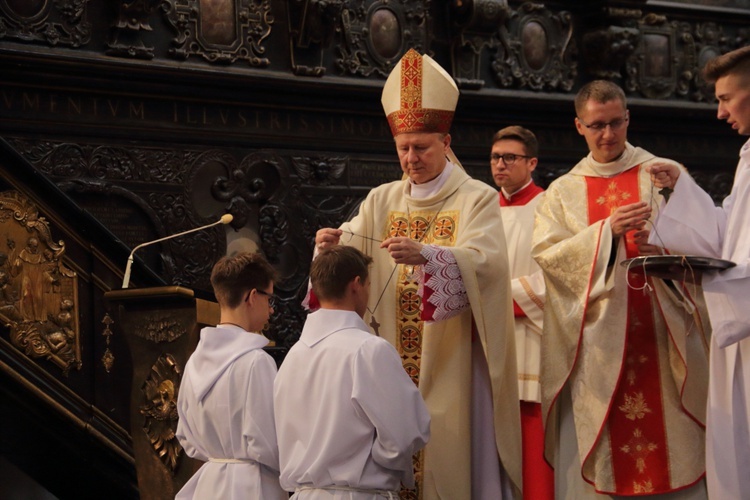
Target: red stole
<point>638,440</point>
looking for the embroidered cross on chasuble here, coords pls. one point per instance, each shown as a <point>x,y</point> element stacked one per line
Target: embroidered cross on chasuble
<point>636,422</point>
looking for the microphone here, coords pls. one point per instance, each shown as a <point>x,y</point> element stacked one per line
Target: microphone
<point>225,219</point>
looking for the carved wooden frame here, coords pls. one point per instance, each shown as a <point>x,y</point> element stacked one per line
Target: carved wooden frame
<point>252,19</point>
<point>510,63</point>
<point>60,22</point>
<point>639,67</point>
<point>358,55</point>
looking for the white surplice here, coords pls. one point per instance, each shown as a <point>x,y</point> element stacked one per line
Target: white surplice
<point>225,408</point>
<point>527,287</point>
<point>690,223</point>
<point>347,414</point>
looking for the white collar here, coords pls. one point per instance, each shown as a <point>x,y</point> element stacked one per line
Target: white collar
<point>429,188</point>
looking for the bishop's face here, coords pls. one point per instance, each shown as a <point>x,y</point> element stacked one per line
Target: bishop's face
<point>734,102</point>
<point>422,154</point>
<point>604,125</point>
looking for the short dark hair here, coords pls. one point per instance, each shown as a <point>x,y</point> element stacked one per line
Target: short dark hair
<point>333,269</point>
<point>233,276</point>
<point>520,134</point>
<point>736,62</point>
<point>600,91</point>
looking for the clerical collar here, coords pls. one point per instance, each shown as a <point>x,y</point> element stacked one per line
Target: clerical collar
<point>509,196</point>
<point>429,188</point>
<point>520,197</point>
<point>612,168</point>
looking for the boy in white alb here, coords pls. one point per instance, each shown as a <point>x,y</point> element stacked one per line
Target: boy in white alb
<point>348,417</point>
<point>225,401</point>
<point>692,224</point>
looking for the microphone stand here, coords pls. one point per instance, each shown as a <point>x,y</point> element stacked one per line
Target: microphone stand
<point>225,219</point>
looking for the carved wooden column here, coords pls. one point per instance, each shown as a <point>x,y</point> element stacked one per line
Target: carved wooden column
<point>162,326</point>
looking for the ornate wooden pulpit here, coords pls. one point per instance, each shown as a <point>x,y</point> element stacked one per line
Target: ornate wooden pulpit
<point>162,326</point>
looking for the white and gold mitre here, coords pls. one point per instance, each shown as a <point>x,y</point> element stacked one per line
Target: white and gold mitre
<point>419,96</point>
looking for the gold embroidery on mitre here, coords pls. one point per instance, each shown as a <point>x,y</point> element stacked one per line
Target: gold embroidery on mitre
<point>411,115</point>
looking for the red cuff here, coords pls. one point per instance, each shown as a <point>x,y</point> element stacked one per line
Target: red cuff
<point>427,310</point>
<point>517,311</point>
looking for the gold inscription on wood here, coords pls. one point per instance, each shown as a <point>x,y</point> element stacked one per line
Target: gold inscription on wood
<point>38,293</point>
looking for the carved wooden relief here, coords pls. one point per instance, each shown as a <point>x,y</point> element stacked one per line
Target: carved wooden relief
<point>710,42</point>
<point>159,409</point>
<point>659,67</point>
<point>536,51</point>
<point>38,293</point>
<point>375,34</point>
<point>61,22</point>
<point>160,328</point>
<point>108,358</point>
<point>222,31</point>
<point>131,21</point>
<point>716,184</point>
<point>141,194</point>
<point>653,56</point>
<point>312,27</point>
<point>605,50</point>
<point>476,23</point>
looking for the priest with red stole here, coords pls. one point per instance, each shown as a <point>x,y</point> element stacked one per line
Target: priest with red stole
<point>513,158</point>
<point>441,292</point>
<point>624,357</point>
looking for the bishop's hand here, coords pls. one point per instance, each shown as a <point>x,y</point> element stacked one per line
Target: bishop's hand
<point>327,237</point>
<point>404,250</point>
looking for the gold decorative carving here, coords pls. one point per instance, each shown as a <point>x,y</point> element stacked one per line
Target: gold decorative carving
<point>38,293</point>
<point>160,329</point>
<point>160,410</point>
<point>108,359</point>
